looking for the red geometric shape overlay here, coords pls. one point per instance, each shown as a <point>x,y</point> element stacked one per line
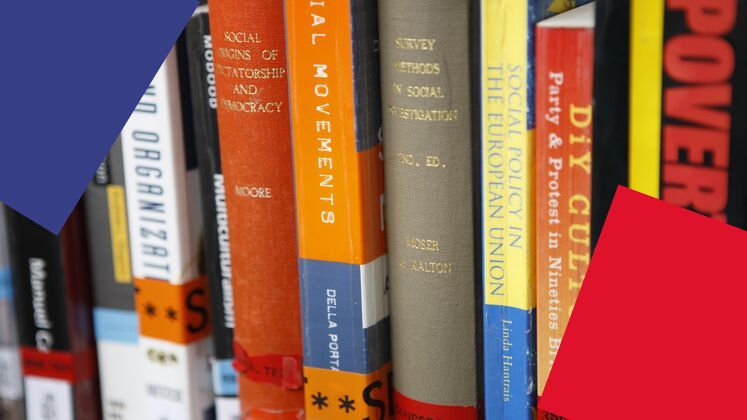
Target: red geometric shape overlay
<point>658,331</point>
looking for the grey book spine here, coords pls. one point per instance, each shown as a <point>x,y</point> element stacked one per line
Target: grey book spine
<point>428,151</point>
<point>114,317</point>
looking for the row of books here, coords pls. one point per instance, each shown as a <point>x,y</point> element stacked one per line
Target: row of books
<point>364,209</point>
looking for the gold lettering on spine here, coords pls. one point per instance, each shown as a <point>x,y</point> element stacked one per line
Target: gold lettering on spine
<point>425,44</point>
<point>250,64</point>
<point>425,91</point>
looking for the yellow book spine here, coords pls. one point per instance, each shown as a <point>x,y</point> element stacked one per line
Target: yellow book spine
<point>508,240</point>
<point>507,151</point>
<point>647,30</point>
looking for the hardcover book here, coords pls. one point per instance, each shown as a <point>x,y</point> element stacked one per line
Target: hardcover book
<point>11,381</point>
<point>114,318</point>
<point>428,151</point>
<point>58,350</point>
<point>202,77</point>
<point>337,157</point>
<point>165,222</point>
<point>508,122</point>
<point>684,143</point>
<point>254,122</point>
<point>565,67</point>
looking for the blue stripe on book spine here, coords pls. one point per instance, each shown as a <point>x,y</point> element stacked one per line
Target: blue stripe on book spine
<point>116,325</point>
<point>6,285</point>
<point>509,362</point>
<point>225,381</point>
<point>345,328</point>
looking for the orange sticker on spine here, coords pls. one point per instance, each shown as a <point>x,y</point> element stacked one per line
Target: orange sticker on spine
<point>334,395</point>
<point>171,312</point>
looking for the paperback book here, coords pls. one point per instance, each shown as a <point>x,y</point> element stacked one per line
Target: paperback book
<point>565,66</point>
<point>200,54</point>
<point>611,107</point>
<point>337,156</point>
<point>52,289</point>
<point>680,136</point>
<point>165,224</point>
<point>508,123</point>
<point>114,317</point>
<point>686,139</point>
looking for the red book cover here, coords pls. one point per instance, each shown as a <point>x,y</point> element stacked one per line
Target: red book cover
<point>254,129</point>
<point>563,174</point>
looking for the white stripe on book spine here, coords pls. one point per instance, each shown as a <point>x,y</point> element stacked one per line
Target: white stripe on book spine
<point>374,292</point>
<point>121,397</point>
<point>227,408</point>
<point>48,399</point>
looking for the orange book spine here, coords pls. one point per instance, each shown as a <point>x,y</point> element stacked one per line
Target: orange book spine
<point>563,179</point>
<point>338,165</point>
<point>255,143</point>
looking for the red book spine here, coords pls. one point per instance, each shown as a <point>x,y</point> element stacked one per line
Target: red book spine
<point>75,268</point>
<point>563,180</point>
<point>254,128</point>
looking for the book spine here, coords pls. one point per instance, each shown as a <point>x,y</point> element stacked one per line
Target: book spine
<point>251,78</point>
<point>611,96</point>
<point>337,158</point>
<point>508,122</point>
<point>428,138</point>
<point>647,20</point>
<point>507,236</point>
<point>58,353</point>
<point>114,317</point>
<point>171,297</point>
<point>11,380</point>
<point>217,253</point>
<point>685,135</point>
<point>563,181</point>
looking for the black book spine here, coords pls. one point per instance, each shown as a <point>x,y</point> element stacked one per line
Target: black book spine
<point>701,165</point>
<point>736,208</point>
<point>704,101</point>
<point>611,104</point>
<point>217,255</point>
<point>50,275</point>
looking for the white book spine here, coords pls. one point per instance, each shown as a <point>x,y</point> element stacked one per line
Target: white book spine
<point>165,224</point>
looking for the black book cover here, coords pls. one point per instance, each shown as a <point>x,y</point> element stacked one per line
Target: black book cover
<point>51,281</point>
<point>217,252</point>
